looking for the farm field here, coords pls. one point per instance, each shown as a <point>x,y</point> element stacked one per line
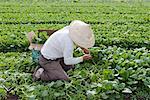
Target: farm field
<point>121,55</point>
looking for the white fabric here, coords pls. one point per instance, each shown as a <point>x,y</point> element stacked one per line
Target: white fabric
<point>81,34</point>
<point>60,45</point>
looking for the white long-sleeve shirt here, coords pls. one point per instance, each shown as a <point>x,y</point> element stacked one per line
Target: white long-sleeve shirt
<point>59,45</point>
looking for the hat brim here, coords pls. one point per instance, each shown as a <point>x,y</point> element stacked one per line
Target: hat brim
<point>80,39</point>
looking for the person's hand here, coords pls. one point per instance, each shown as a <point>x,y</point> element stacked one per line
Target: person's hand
<point>87,57</point>
<point>86,51</point>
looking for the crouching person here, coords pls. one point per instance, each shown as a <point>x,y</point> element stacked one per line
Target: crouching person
<point>57,52</point>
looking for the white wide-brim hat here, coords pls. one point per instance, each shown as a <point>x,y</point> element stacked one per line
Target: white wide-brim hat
<point>81,34</point>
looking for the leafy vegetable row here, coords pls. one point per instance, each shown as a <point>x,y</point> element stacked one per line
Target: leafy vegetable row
<point>94,8</point>
<point>113,25</point>
<point>96,17</point>
<point>107,75</point>
<point>13,37</point>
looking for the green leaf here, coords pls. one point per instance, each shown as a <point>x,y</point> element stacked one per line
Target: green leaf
<point>132,82</point>
<point>51,84</point>
<point>89,92</point>
<point>58,83</point>
<point>57,94</point>
<point>124,73</point>
<point>126,90</point>
<point>119,87</point>
<point>2,90</point>
<point>148,86</point>
<point>45,93</point>
<point>104,96</point>
<point>32,88</point>
<point>31,97</point>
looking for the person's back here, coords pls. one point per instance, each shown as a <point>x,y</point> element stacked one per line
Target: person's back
<point>53,47</point>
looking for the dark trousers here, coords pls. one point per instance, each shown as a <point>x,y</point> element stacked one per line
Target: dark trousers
<point>54,69</point>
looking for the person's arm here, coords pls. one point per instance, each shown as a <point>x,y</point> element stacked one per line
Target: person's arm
<point>68,55</point>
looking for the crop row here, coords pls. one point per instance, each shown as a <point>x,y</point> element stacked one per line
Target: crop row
<point>126,36</point>
<point>14,37</point>
<point>75,9</point>
<point>17,61</point>
<point>72,4</point>
<point>107,75</point>
<point>123,25</point>
<point>84,3</point>
<point>143,29</point>
<point>45,17</point>
<point>97,12</point>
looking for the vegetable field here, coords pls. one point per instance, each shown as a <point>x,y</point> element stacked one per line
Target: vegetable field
<point>119,70</point>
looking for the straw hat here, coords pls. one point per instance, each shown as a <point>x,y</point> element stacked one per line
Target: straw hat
<point>81,34</point>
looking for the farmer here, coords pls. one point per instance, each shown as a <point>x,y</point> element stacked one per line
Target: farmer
<point>57,52</point>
